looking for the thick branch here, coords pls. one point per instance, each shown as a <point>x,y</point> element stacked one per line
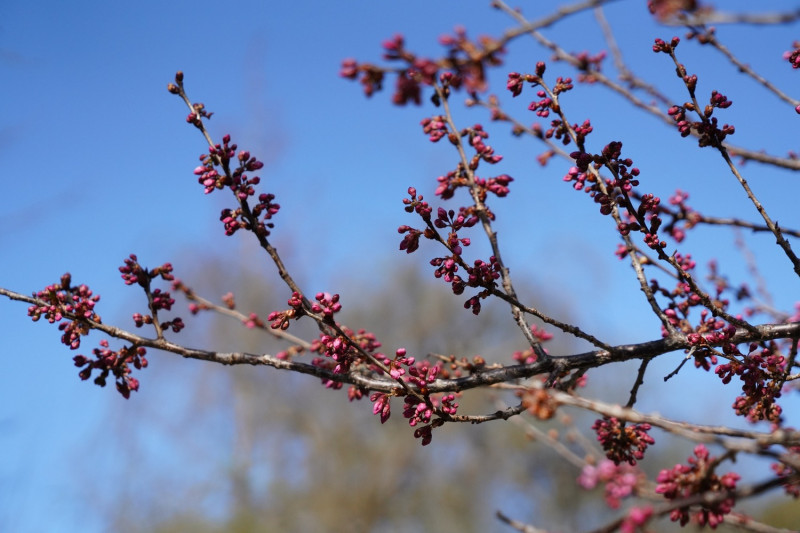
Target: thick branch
<point>376,382</point>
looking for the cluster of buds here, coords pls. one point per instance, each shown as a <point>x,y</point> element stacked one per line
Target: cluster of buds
<point>326,305</point>
<point>464,68</point>
<point>707,128</point>
<point>62,300</point>
<point>790,475</point>
<point>215,173</point>
<point>589,65</point>
<point>681,217</point>
<point>539,403</point>
<point>116,363</point>
<point>667,9</point>
<point>760,372</point>
<point>419,413</point>
<point>698,477</point>
<point>619,479</point>
<point>793,56</point>
<point>134,273</point>
<point>623,443</point>
<point>281,319</point>
<point>343,351</point>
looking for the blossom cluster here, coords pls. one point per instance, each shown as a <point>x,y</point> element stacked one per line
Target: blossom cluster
<point>538,402</point>
<point>707,129</point>
<point>223,167</point>
<point>113,362</point>
<point>618,191</point>
<point>636,519</point>
<point>761,372</point>
<point>281,319</point>
<point>419,413</point>
<point>666,9</point>
<point>465,67</point>
<point>681,299</point>
<point>793,56</point>
<point>548,103</point>
<point>62,300</point>
<point>134,273</point>
<point>481,274</point>
<point>681,217</point>
<point>588,65</point>
<point>761,368</point>
<point>618,479</point>
<point>256,218</point>
<point>698,477</point>
<point>421,374</point>
<point>789,475</point>
<point>343,351</point>
<point>623,442</point>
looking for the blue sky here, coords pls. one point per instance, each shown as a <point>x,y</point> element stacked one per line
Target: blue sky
<point>98,164</point>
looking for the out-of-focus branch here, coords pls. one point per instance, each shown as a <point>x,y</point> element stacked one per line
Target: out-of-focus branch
<point>208,305</point>
<point>721,17</point>
<point>516,524</point>
<point>699,218</point>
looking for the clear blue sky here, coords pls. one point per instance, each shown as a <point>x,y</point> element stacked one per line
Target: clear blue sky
<point>98,164</point>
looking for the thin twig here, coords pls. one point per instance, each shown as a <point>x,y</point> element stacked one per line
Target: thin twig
<point>721,17</point>
<point>516,524</point>
<point>689,355</point>
<point>638,383</point>
<point>708,37</point>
